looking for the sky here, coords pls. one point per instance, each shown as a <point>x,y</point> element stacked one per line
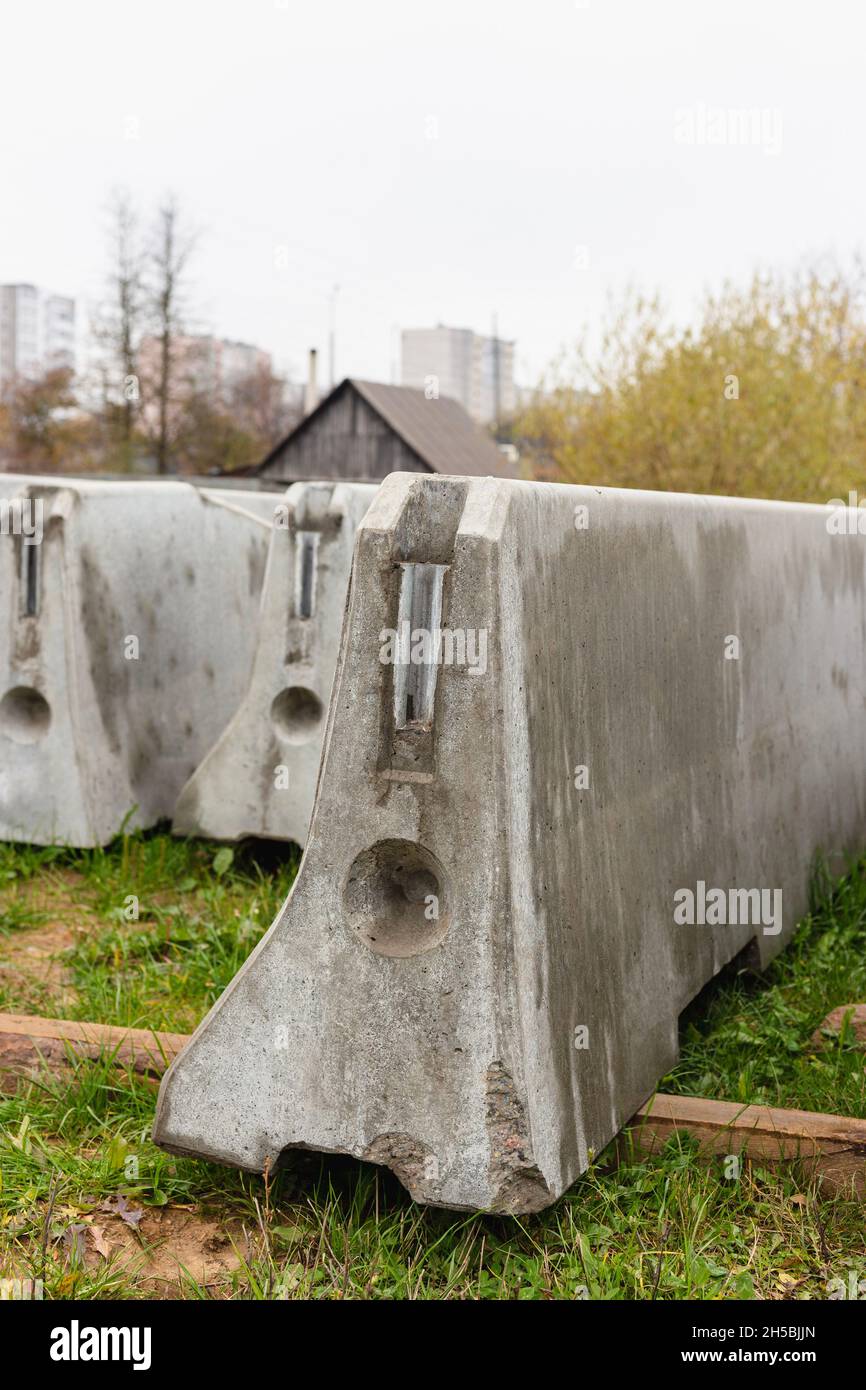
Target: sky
<point>444,161</point>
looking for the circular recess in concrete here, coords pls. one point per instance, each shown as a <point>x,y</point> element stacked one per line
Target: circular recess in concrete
<point>24,714</point>
<point>296,714</point>
<point>396,898</point>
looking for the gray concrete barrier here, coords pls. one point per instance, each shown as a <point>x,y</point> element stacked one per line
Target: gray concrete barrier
<point>260,776</point>
<point>126,638</point>
<point>526,858</point>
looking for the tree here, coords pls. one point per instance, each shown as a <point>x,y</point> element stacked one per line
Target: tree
<point>763,396</point>
<point>210,438</point>
<point>121,322</point>
<point>167,263</point>
<point>195,412</point>
<point>227,425</point>
<point>41,428</point>
<point>258,403</point>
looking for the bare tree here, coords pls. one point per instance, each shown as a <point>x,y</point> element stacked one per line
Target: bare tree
<point>127,282</point>
<point>259,403</point>
<point>168,261</point>
<point>118,323</point>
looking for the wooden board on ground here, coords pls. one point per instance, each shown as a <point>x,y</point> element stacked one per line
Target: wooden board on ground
<point>833,1146</point>
<point>28,1043</point>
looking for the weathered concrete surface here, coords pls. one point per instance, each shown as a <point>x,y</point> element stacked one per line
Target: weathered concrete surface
<point>486,1053</point>
<point>260,776</point>
<point>88,730</point>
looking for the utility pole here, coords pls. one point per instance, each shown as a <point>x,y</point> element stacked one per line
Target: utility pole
<point>497,375</point>
<point>332,337</point>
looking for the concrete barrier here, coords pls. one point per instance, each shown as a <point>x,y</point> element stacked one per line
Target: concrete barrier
<point>260,776</point>
<point>526,860</point>
<point>126,638</point>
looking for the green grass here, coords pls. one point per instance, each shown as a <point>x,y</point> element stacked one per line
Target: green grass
<point>671,1228</point>
<point>751,1041</point>
<point>176,921</point>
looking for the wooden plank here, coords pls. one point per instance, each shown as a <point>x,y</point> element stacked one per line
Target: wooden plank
<point>832,1146</point>
<point>28,1043</point>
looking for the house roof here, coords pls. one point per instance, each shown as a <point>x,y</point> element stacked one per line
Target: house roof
<point>440,432</point>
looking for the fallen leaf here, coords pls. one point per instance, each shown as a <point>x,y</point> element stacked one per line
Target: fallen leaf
<point>100,1245</point>
<point>118,1206</point>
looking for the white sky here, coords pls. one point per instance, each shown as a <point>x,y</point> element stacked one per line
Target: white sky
<point>305,125</point>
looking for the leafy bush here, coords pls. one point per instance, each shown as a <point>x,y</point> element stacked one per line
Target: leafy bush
<point>762,397</point>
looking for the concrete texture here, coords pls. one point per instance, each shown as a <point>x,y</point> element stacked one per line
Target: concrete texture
<point>477,977</point>
<point>87,729</point>
<point>260,776</point>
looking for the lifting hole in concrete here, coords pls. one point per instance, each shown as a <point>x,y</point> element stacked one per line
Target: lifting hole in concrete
<point>419,619</point>
<point>25,715</point>
<point>296,714</point>
<point>305,577</point>
<point>396,900</point>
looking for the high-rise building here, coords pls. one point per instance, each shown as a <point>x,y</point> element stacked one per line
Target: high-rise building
<point>203,363</point>
<point>475,370</point>
<point>37,332</point>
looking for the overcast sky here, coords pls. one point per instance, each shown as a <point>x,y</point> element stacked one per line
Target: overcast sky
<point>439,161</point>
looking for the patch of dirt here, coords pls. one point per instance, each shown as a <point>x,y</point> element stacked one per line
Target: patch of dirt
<point>856,1014</point>
<point>31,964</point>
<point>169,1242</point>
<point>155,1251</point>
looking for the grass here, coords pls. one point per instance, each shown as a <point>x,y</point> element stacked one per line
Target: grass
<point>332,1228</point>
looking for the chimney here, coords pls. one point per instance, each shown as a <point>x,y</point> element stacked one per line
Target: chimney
<point>311,395</point>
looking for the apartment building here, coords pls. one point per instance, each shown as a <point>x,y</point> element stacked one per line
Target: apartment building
<point>37,332</point>
<point>206,364</point>
<point>468,367</point>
